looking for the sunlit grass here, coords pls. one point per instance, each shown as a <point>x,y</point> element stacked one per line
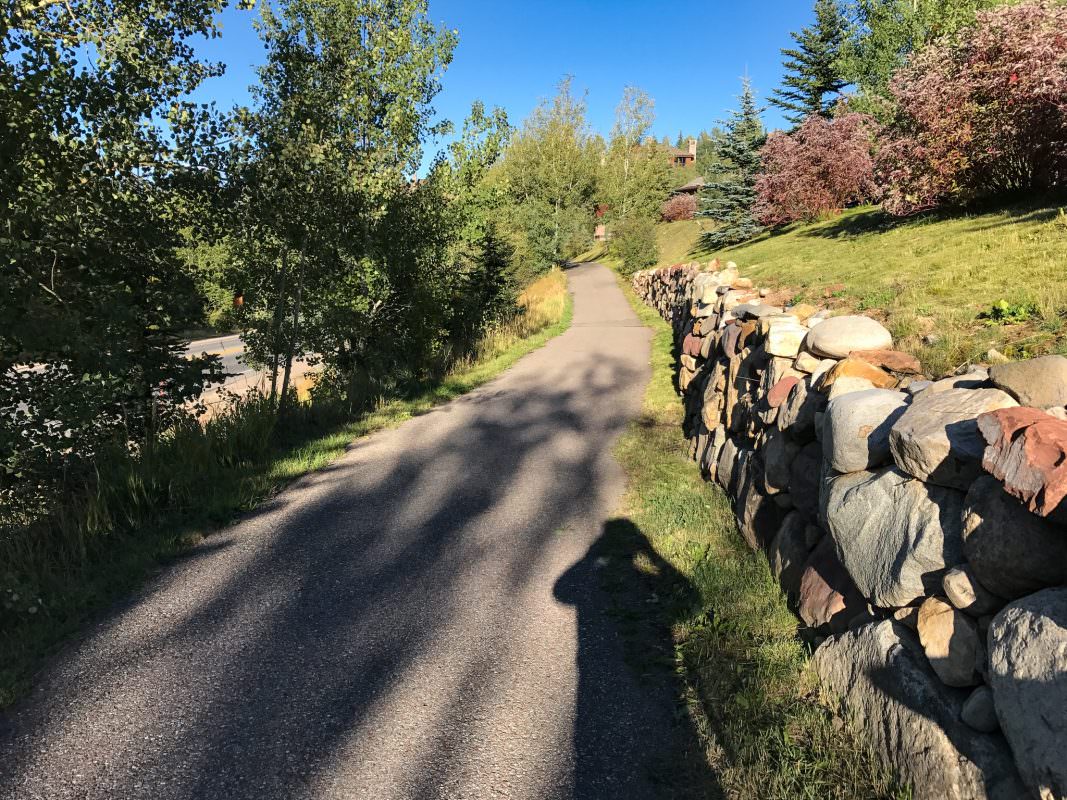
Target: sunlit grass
<point>140,513</point>
<point>927,278</point>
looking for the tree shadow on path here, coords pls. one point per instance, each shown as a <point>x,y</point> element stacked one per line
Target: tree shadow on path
<point>634,737</point>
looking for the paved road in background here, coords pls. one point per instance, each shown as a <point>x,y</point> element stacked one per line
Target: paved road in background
<point>422,619</point>
<point>229,349</point>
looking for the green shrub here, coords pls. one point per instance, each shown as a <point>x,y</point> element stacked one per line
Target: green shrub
<point>634,242</point>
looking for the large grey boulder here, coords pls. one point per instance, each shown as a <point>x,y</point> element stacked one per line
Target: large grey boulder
<point>805,479</point>
<point>937,438</point>
<point>839,336</point>
<point>855,430</point>
<point>895,535</point>
<point>724,467</point>
<point>758,515</point>
<point>778,454</point>
<point>796,416</point>
<point>1028,674</point>
<point>788,554</point>
<point>911,719</point>
<point>1011,551</point>
<point>1037,382</point>
<point>975,378</point>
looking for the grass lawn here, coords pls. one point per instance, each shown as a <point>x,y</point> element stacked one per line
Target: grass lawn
<point>749,688</point>
<point>107,565</point>
<point>928,278</point>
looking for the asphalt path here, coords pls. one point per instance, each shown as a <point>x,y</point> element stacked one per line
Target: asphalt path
<point>421,619</point>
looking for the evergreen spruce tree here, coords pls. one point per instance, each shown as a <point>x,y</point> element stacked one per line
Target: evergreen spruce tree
<point>813,75</point>
<point>729,201</point>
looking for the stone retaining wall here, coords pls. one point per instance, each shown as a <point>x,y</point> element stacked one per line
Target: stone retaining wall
<point>916,526</point>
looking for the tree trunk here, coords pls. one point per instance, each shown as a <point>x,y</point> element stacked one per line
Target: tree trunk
<point>293,338</point>
<point>276,324</point>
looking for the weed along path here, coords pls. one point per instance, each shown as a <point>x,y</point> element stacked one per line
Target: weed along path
<point>422,619</point>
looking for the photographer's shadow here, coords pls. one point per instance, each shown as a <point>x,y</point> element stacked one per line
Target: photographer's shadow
<point>633,734</point>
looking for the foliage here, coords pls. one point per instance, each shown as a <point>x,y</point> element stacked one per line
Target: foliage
<point>636,173</point>
<point>730,201</point>
<point>549,176</point>
<point>679,207</point>
<point>347,250</point>
<point>634,242</point>
<point>709,163</point>
<point>813,82</point>
<point>103,163</point>
<point>981,116</point>
<point>475,200</point>
<point>886,32</point>
<point>815,171</point>
<point>1004,313</point>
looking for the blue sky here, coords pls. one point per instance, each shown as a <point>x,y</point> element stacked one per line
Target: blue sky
<point>688,56</point>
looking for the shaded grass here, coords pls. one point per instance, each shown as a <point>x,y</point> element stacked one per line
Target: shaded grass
<point>928,278</point>
<point>142,512</point>
<point>750,689</point>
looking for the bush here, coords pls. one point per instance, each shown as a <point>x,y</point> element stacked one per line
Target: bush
<point>817,170</point>
<point>981,115</point>
<point>634,241</point>
<point>681,206</point>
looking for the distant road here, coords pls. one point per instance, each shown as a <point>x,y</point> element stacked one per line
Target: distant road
<point>240,377</point>
<point>230,350</point>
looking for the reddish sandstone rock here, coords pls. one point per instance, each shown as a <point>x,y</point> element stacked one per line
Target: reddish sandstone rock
<point>827,595</point>
<point>892,360</point>
<point>1027,450</point>
<point>780,391</point>
<point>691,345</point>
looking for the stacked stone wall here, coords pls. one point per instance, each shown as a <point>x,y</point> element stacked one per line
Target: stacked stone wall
<point>918,527</point>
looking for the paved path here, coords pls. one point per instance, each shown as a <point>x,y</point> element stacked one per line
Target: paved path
<point>422,619</point>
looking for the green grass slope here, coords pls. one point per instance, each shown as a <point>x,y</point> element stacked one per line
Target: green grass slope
<point>932,279</point>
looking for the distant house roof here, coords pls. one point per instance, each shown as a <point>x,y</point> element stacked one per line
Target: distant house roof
<point>692,187</point>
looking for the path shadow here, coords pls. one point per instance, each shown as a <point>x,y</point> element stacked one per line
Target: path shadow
<point>633,735</point>
<point>304,657</point>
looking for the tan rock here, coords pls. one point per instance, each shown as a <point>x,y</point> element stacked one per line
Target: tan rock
<point>908,616</point>
<point>967,594</point>
<point>806,362</point>
<point>784,337</point>
<point>858,368</point>
<point>847,385</point>
<point>950,640</point>
<point>802,311</point>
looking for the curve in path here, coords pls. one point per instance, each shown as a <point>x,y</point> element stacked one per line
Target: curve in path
<point>418,620</point>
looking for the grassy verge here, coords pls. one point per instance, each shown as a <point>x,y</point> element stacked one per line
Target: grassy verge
<point>147,511</point>
<point>750,690</point>
<point>932,279</point>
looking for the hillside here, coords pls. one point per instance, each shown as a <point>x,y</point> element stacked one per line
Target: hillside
<point>933,279</point>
